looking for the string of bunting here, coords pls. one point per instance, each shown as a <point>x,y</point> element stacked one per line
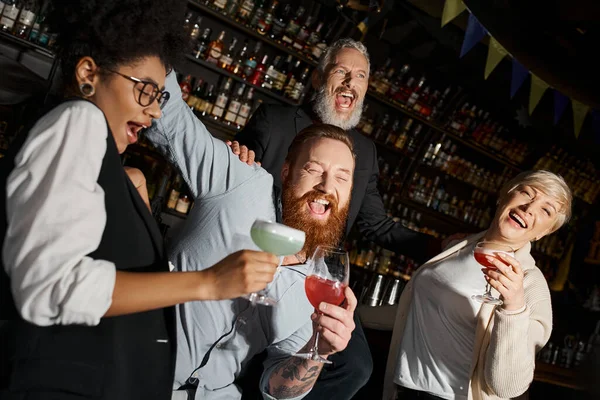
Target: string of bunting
<point>475,32</point>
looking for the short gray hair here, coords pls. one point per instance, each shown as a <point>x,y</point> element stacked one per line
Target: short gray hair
<point>549,183</point>
<point>345,43</point>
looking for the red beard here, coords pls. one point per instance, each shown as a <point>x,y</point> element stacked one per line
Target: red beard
<point>326,232</point>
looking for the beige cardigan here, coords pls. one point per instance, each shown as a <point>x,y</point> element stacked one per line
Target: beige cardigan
<point>505,344</point>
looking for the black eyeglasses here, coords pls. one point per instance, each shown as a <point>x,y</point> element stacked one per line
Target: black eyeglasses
<point>148,91</point>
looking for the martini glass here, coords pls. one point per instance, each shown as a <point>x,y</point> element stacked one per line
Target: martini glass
<point>485,249</point>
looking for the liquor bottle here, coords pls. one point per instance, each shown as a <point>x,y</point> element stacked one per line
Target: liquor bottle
<point>231,8</point>
<point>215,49</point>
<point>298,92</point>
<point>380,134</point>
<point>291,79</point>
<point>195,97</point>
<point>34,34</point>
<point>393,133</point>
<point>416,92</point>
<point>413,143</point>
<point>222,100</point>
<point>368,125</point>
<point>234,105</point>
<point>314,38</point>
<point>187,23</point>
<point>202,45</point>
<point>208,102</point>
<point>258,75</point>
<point>379,74</point>
<point>280,78</point>
<point>257,13</point>
<point>302,36</point>
<point>403,136</point>
<point>422,105</point>
<point>195,31</point>
<point>438,107</point>
<point>237,67</point>
<point>251,61</point>
<point>280,23</point>
<point>220,5</point>
<point>272,74</point>
<point>227,58</point>
<point>186,87</point>
<point>26,19</point>
<point>9,15</point>
<point>383,85</point>
<point>293,27</point>
<point>245,109</point>
<point>405,91</point>
<point>266,22</point>
<point>397,82</point>
<point>245,11</point>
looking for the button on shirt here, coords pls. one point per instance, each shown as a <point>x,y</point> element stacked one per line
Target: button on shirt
<point>229,197</point>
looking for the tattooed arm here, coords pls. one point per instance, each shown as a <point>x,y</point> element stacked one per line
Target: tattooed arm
<point>294,377</point>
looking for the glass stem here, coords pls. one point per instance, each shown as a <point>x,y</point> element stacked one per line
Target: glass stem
<point>488,289</point>
<point>315,349</point>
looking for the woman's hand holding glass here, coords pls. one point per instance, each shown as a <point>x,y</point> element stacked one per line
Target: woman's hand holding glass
<point>507,279</point>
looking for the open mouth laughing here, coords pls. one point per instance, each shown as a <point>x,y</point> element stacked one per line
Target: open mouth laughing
<point>133,128</point>
<point>518,220</point>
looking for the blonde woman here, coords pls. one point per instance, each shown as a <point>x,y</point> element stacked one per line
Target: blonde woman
<point>447,345</point>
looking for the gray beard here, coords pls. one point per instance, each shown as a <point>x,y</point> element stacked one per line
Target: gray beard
<point>322,106</point>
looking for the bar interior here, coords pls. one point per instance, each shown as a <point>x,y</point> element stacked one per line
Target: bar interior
<point>459,101</point>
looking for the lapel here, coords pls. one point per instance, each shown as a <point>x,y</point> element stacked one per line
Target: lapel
<point>301,120</point>
<point>148,219</point>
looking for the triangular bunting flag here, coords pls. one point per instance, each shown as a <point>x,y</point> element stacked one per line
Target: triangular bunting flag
<point>560,105</point>
<point>538,87</point>
<point>596,125</point>
<point>495,54</point>
<point>473,35</point>
<point>519,73</point>
<point>452,9</point>
<point>580,110</point>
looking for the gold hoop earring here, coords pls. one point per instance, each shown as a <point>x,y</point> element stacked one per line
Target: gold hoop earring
<point>87,89</point>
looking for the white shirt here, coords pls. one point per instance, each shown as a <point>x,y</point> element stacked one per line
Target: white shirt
<point>56,216</point>
<point>437,346</point>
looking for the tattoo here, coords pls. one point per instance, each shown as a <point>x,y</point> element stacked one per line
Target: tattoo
<point>295,370</point>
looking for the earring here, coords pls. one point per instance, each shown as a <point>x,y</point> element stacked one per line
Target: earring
<point>87,89</point>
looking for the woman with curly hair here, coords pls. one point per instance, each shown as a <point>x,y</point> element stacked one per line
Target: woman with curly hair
<point>92,296</point>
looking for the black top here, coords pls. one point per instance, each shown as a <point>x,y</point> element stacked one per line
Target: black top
<point>270,132</point>
<point>125,357</point>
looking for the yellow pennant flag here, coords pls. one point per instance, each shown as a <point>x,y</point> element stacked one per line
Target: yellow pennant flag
<point>538,87</point>
<point>452,8</point>
<point>580,110</point>
<point>495,54</point>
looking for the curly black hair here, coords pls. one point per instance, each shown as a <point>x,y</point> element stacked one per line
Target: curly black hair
<point>116,32</point>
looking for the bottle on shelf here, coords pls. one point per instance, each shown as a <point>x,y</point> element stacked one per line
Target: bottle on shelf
<point>10,13</point>
<point>215,49</point>
<point>281,74</point>
<point>222,99</point>
<point>392,133</point>
<point>413,142</point>
<point>208,102</point>
<point>194,99</point>
<point>258,75</point>
<point>174,193</point>
<point>397,82</point>
<point>226,59</point>
<point>251,61</point>
<point>220,5</point>
<point>26,19</point>
<point>381,131</point>
<point>292,28</point>
<point>266,22</point>
<point>303,34</point>
<point>231,8</point>
<point>237,67</point>
<point>245,109</point>
<point>279,24</point>
<point>195,31</point>
<point>297,93</point>
<point>34,34</point>
<point>186,87</point>
<point>233,108</point>
<point>403,136</point>
<point>201,49</point>
<point>314,38</point>
<point>415,93</point>
<point>257,13</point>
<point>270,77</point>
<point>291,79</point>
<point>244,12</point>
<point>187,22</point>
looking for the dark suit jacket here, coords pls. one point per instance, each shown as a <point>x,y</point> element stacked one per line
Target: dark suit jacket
<point>270,132</point>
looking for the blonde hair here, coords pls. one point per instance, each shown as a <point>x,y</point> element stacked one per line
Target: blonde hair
<point>548,183</point>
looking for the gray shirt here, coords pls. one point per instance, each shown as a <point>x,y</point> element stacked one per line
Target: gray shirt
<point>229,197</point>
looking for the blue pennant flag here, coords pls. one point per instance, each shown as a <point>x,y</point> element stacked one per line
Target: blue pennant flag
<point>519,73</point>
<point>560,104</point>
<point>475,32</point>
